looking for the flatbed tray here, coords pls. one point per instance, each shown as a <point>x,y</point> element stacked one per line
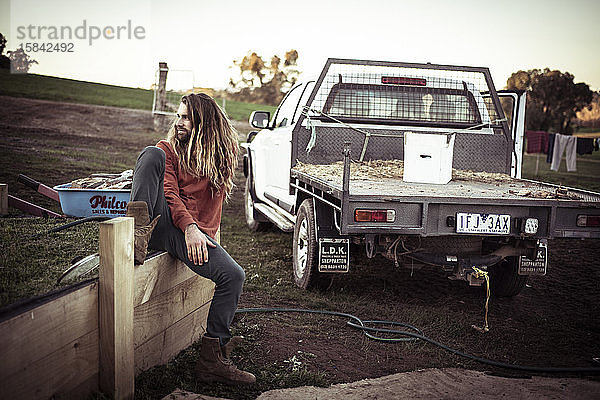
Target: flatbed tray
<point>370,181</point>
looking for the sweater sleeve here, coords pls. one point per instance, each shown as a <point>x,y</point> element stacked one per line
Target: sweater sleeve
<point>179,213</point>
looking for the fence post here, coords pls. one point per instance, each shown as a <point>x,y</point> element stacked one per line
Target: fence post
<point>115,298</point>
<point>161,121</point>
<point>161,95</point>
<point>3,199</point>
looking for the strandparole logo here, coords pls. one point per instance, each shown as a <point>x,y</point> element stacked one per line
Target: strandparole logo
<point>91,33</point>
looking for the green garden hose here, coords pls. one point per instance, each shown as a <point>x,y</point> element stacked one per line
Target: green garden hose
<point>417,334</point>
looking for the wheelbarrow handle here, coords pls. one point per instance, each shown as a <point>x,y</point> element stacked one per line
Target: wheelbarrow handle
<point>27,181</point>
<point>38,187</point>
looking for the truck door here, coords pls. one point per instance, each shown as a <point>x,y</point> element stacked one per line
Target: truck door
<point>272,150</point>
<point>513,104</point>
<point>273,173</point>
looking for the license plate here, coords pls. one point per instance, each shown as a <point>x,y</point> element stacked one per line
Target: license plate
<point>537,266</point>
<point>334,255</point>
<point>497,224</point>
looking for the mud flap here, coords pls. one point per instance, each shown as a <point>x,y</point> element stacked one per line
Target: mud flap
<point>334,255</point>
<point>539,265</point>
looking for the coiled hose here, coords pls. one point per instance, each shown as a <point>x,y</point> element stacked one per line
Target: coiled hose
<point>417,334</point>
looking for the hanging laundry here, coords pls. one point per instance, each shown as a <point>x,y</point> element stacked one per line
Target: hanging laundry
<point>537,141</point>
<point>550,152</point>
<point>568,145</point>
<point>585,146</point>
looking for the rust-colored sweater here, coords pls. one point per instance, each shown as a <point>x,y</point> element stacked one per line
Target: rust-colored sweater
<point>191,200</point>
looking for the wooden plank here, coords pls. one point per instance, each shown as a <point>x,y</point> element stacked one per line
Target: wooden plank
<point>67,371</point>
<point>157,275</point>
<point>31,208</point>
<point>83,390</point>
<point>145,278</point>
<point>162,348</point>
<point>156,315</point>
<point>117,371</point>
<point>40,331</point>
<point>3,199</point>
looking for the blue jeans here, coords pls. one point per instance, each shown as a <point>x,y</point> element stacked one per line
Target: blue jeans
<point>227,275</point>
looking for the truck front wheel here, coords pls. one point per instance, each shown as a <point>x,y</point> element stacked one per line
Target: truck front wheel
<point>505,280</point>
<point>306,274</point>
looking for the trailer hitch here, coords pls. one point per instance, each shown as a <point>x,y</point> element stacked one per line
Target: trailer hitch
<point>455,261</point>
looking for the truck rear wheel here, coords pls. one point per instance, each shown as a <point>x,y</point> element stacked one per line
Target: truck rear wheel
<point>251,221</point>
<point>505,280</point>
<point>305,252</point>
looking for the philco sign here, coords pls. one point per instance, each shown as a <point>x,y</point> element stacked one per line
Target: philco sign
<point>107,205</point>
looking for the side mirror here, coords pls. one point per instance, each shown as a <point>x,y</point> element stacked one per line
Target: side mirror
<point>259,119</point>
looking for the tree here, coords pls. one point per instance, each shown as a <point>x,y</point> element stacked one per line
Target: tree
<point>590,116</point>
<point>553,99</point>
<point>20,61</point>
<point>264,82</point>
<point>4,61</point>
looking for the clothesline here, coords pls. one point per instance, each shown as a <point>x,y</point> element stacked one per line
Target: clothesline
<point>555,144</point>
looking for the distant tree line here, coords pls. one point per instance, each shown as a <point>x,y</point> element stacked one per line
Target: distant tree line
<point>553,99</point>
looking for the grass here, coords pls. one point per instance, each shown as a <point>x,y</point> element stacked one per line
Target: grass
<point>587,130</point>
<point>59,89</point>
<point>43,87</point>
<point>30,264</point>
<point>586,177</point>
<point>240,111</point>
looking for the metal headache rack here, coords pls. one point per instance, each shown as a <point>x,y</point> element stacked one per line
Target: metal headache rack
<point>372,104</point>
<point>396,93</point>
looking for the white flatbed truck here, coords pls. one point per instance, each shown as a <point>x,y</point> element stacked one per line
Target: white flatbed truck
<point>364,115</point>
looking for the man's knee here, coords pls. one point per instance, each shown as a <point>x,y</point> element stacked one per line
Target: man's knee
<point>238,276</point>
<point>233,276</point>
<point>152,155</point>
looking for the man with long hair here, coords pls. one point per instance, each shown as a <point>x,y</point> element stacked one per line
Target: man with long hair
<point>178,189</point>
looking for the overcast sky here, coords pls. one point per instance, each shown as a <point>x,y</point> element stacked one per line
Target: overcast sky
<point>202,37</point>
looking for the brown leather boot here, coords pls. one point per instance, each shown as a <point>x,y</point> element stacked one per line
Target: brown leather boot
<point>143,228</point>
<point>212,366</point>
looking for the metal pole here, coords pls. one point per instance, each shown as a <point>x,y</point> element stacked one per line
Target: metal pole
<point>345,187</point>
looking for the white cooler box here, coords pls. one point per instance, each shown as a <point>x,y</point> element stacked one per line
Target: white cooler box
<point>428,157</point>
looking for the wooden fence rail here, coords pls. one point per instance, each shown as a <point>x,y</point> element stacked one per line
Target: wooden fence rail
<point>96,335</point>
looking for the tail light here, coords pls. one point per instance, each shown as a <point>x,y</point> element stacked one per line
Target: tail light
<point>374,215</point>
<point>586,221</point>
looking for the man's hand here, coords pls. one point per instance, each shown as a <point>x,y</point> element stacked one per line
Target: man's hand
<point>196,243</point>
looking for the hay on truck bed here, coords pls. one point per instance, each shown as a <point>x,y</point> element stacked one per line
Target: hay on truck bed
<point>394,169</point>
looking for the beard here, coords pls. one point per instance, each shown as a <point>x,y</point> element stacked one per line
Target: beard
<point>182,136</point>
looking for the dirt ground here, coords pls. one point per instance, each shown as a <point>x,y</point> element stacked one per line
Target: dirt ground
<point>553,322</point>
<point>445,383</point>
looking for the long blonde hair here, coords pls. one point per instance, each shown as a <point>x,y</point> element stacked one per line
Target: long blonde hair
<point>212,148</point>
